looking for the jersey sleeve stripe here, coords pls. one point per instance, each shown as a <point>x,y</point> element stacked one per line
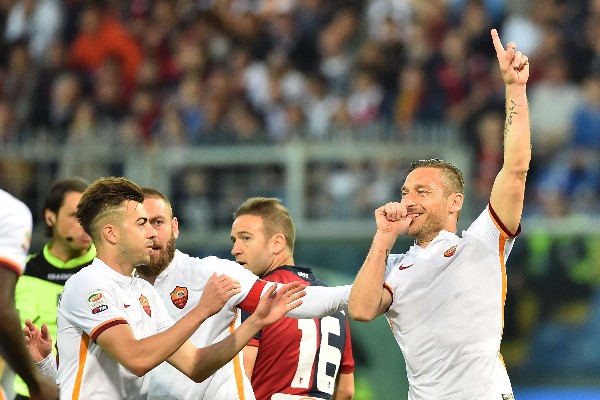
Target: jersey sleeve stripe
<point>237,365</point>
<point>83,348</point>
<point>501,226</point>
<point>251,301</point>
<point>104,326</point>
<point>391,292</point>
<point>501,245</point>
<point>11,265</point>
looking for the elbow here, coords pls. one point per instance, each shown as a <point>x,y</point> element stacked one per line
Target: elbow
<point>360,314</point>
<point>200,377</point>
<point>138,369</point>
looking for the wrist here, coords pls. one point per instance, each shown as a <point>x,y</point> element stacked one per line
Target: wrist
<point>255,322</point>
<point>384,239</point>
<point>515,89</point>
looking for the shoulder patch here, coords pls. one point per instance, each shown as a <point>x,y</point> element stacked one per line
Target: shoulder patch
<point>145,305</point>
<point>97,301</point>
<point>450,252</point>
<point>179,296</point>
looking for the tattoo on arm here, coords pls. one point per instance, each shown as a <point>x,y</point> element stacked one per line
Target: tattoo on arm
<point>509,118</point>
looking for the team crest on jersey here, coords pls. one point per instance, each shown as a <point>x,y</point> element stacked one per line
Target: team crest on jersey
<point>179,297</point>
<point>450,252</point>
<point>145,305</point>
<point>97,301</point>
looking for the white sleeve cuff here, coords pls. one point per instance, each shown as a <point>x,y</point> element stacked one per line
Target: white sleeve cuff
<point>47,366</point>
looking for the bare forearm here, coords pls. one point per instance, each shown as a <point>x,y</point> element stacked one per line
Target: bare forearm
<point>517,140</point>
<point>141,356</point>
<point>209,359</point>
<point>344,388</point>
<point>508,192</point>
<point>13,346</point>
<point>367,290</point>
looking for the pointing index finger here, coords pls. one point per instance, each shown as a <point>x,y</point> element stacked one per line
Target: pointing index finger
<point>497,43</point>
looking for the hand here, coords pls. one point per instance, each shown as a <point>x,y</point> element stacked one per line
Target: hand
<point>274,304</point>
<point>393,218</point>
<point>38,341</point>
<point>46,390</point>
<point>513,64</point>
<point>217,291</point>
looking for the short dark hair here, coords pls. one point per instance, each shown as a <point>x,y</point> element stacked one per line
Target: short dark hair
<point>276,217</point>
<point>151,193</point>
<point>55,198</point>
<point>103,196</point>
<point>451,175</point>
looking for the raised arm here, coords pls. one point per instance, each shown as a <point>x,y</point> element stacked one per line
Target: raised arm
<point>200,363</point>
<point>368,298</point>
<point>508,191</point>
<point>141,355</point>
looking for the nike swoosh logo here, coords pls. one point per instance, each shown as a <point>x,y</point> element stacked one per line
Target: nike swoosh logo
<point>404,267</point>
<point>126,305</point>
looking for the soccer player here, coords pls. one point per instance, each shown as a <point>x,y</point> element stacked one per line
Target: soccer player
<point>66,253</point>
<point>15,238</point>
<point>180,280</point>
<point>112,326</point>
<point>444,298</point>
<point>292,358</point>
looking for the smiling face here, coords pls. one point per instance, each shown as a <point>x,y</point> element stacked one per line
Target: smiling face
<point>167,231</point>
<point>425,195</point>
<point>251,248</point>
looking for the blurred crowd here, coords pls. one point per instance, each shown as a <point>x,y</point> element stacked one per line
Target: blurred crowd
<point>155,74</point>
<point>158,73</point>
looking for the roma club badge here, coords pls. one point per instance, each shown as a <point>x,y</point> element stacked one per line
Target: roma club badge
<point>450,252</point>
<point>145,305</point>
<point>179,297</point>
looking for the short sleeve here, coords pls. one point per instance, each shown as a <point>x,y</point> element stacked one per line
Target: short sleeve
<point>15,233</point>
<point>91,306</point>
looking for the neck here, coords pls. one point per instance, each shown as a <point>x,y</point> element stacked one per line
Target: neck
<point>113,262</point>
<point>147,278</point>
<point>287,260</point>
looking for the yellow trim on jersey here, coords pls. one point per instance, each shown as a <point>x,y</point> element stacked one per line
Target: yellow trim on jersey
<point>501,244</point>
<point>83,348</point>
<point>237,367</point>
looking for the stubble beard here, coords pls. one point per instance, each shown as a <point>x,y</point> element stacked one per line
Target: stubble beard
<point>159,262</point>
<point>428,229</point>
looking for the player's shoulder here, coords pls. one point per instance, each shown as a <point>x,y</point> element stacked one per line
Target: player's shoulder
<point>13,212</point>
<point>10,206</point>
<point>292,273</point>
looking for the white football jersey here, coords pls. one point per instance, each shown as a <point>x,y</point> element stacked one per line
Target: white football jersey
<point>15,232</point>
<point>447,312</point>
<point>95,299</point>
<point>180,287</point>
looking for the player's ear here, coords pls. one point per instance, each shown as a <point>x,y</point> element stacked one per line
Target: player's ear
<point>456,202</point>
<point>175,224</point>
<point>110,234</point>
<point>278,242</point>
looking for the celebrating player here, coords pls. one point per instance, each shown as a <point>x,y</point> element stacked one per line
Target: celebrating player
<point>444,297</point>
